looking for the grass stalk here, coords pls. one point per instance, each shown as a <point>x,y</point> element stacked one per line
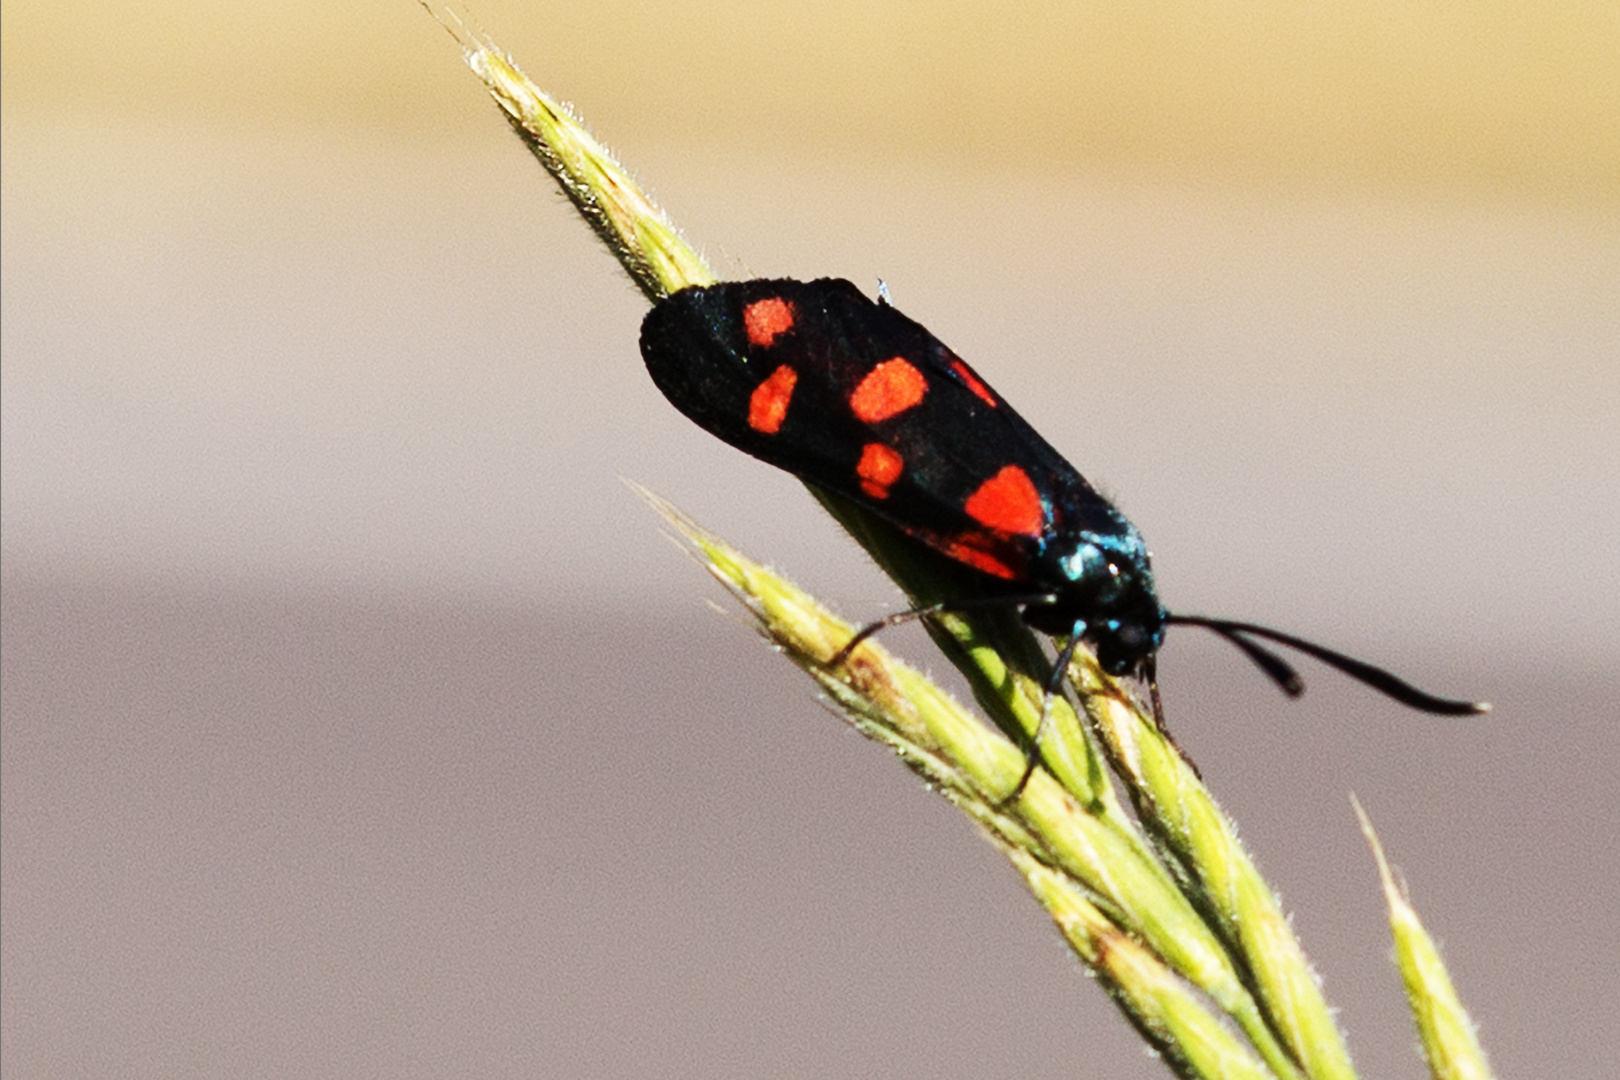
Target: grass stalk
<point>1166,908</point>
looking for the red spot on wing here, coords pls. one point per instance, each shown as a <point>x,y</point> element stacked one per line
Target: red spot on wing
<point>969,548</point>
<point>971,381</point>
<point>878,468</point>
<point>888,390</point>
<point>1008,502</point>
<point>766,319</point>
<point>768,405</point>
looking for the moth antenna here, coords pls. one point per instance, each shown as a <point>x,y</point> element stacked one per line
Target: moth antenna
<point>1276,668</point>
<point>1375,677</point>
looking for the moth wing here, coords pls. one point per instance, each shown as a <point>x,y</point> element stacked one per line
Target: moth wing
<point>713,350</point>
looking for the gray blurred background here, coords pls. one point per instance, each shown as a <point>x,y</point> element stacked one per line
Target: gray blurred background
<point>359,722</point>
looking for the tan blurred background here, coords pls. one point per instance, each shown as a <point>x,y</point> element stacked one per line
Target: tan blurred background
<point>357,721</point>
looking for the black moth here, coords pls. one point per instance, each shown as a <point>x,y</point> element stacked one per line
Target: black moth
<point>855,398</point>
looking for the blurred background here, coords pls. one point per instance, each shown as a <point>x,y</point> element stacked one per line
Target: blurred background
<point>359,722</point>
